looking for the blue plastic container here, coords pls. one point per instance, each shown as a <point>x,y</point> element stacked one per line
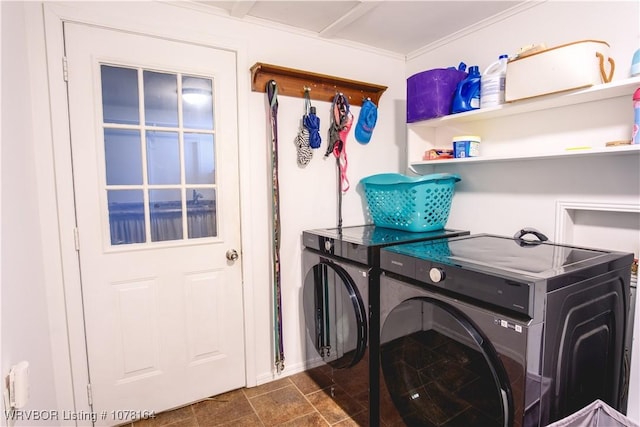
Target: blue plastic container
<point>410,203</point>
<point>467,95</point>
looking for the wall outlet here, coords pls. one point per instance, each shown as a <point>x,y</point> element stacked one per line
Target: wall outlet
<point>7,401</point>
<point>19,385</point>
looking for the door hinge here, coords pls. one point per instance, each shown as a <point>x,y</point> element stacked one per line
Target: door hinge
<point>65,69</point>
<point>89,395</point>
<point>76,238</point>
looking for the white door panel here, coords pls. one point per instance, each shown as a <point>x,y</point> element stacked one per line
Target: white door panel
<point>162,304</point>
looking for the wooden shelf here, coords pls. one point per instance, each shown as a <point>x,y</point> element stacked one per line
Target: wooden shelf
<point>293,82</point>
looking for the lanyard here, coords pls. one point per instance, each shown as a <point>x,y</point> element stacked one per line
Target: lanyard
<point>341,121</point>
<point>272,95</point>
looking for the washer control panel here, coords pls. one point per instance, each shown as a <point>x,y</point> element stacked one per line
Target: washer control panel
<point>509,293</point>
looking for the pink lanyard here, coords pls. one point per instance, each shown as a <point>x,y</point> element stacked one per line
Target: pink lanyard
<point>341,121</point>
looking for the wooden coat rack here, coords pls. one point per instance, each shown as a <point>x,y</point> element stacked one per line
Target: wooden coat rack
<point>322,87</point>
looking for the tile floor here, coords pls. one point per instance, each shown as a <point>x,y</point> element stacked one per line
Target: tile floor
<point>437,381</point>
<point>318,397</point>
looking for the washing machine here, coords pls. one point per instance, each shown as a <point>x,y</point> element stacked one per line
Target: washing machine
<point>487,330</point>
<point>341,296</point>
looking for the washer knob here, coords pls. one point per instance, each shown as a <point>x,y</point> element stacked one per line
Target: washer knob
<point>328,245</point>
<point>436,274</point>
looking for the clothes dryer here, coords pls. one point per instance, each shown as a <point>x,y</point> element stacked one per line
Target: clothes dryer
<point>341,300</point>
<point>486,330</point>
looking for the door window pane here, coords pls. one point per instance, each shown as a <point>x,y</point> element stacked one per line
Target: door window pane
<point>163,157</point>
<point>120,95</point>
<point>197,103</point>
<point>160,99</point>
<point>174,149</point>
<point>165,208</point>
<point>199,162</point>
<point>126,216</point>
<point>123,157</point>
<point>201,213</point>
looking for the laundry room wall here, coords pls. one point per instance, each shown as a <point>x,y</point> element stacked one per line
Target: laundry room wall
<point>308,194</point>
<point>502,197</point>
<point>24,333</point>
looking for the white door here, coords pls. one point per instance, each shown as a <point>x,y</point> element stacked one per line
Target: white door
<point>154,147</point>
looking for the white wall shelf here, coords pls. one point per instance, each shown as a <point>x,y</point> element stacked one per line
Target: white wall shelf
<point>594,93</point>
<point>422,167</point>
<point>493,125</point>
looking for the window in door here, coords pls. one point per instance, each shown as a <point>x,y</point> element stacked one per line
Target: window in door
<point>159,155</point>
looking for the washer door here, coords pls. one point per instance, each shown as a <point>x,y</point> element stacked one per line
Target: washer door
<point>335,314</point>
<point>441,370</point>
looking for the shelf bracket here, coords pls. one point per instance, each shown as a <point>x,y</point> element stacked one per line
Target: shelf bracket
<point>322,87</point>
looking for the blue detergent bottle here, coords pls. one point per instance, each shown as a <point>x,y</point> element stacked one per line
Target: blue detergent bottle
<point>467,95</point>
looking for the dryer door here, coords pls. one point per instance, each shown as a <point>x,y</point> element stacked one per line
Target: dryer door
<point>335,314</point>
<point>439,369</point>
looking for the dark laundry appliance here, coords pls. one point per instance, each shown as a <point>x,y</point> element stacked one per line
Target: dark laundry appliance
<point>485,330</point>
<point>629,342</point>
<point>340,268</point>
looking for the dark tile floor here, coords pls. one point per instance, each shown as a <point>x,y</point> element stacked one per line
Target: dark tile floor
<point>436,381</point>
<point>318,397</point>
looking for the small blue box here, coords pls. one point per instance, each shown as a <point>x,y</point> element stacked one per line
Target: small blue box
<point>466,146</point>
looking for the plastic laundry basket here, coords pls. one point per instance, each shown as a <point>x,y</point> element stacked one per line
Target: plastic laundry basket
<point>597,414</point>
<point>410,203</point>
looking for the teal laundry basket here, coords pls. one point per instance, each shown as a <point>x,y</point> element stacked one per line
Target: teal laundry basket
<point>410,203</point>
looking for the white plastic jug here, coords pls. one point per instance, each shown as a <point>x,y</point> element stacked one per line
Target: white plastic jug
<point>492,83</point>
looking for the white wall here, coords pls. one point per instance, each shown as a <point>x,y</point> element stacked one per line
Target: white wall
<point>25,324</point>
<point>308,195</point>
<point>552,22</point>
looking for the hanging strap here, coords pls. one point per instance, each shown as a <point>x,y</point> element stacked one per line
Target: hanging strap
<point>272,95</point>
<point>340,153</point>
<point>307,101</point>
<point>303,149</point>
<point>341,121</point>
<point>311,121</point>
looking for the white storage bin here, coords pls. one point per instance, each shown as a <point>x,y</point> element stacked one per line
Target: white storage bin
<point>571,66</point>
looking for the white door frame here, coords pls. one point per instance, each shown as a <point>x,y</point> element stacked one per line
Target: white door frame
<point>55,185</point>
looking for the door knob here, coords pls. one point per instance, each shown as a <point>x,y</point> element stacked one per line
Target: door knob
<point>232,255</point>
